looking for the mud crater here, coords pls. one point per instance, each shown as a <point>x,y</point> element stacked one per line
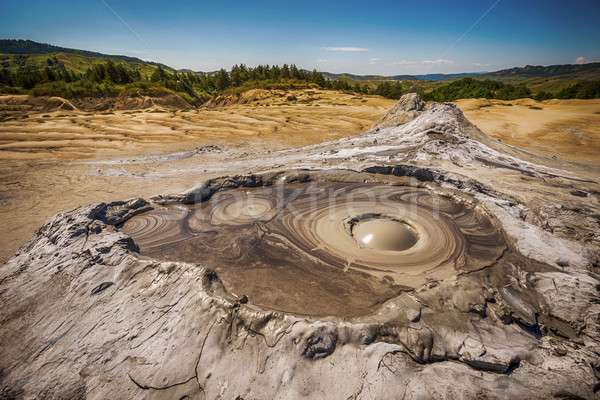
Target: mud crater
<point>322,248</point>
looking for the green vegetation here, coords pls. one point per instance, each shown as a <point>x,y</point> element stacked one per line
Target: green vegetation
<point>117,79</point>
<point>28,49</point>
<point>467,88</point>
<point>581,72</point>
<point>38,69</point>
<point>581,90</point>
<point>390,90</point>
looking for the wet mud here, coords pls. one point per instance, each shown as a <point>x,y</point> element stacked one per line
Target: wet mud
<point>322,248</point>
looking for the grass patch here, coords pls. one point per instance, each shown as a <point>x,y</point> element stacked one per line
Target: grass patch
<point>535,108</point>
<point>486,105</point>
<point>157,111</point>
<point>45,116</point>
<point>108,113</point>
<point>363,101</point>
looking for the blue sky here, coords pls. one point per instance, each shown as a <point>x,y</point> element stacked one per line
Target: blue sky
<point>363,37</point>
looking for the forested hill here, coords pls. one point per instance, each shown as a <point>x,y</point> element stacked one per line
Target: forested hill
<point>19,46</point>
<point>586,72</point>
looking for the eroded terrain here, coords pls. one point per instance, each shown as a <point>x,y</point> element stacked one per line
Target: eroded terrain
<point>495,286</point>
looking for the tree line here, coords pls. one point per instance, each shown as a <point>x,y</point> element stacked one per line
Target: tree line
<point>110,78</point>
<point>105,78</point>
<point>469,88</point>
<point>579,90</point>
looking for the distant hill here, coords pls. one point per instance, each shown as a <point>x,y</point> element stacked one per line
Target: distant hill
<point>29,47</point>
<point>441,77</point>
<point>332,76</point>
<point>570,72</point>
<point>404,78</point>
<point>427,77</point>
<point>589,71</point>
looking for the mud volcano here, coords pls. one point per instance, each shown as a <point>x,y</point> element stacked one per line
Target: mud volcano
<point>322,248</point>
<point>423,260</point>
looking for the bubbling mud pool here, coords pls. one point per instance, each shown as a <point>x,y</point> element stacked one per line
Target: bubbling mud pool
<point>322,248</point>
<point>384,234</point>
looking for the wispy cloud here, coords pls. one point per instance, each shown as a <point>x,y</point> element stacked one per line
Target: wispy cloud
<point>403,62</point>
<point>135,51</point>
<point>438,61</point>
<point>322,61</point>
<point>481,65</point>
<point>583,60</point>
<point>344,49</point>
<point>373,61</point>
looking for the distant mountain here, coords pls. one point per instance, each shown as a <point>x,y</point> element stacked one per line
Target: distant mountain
<point>427,77</point>
<point>576,72</point>
<point>332,76</point>
<point>440,77</point>
<point>589,71</point>
<point>405,77</point>
<point>187,70</point>
<point>26,47</point>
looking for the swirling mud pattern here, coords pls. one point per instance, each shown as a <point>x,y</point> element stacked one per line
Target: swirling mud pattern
<point>322,249</point>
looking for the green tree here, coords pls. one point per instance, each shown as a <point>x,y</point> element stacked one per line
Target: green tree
<point>318,78</point>
<point>222,79</point>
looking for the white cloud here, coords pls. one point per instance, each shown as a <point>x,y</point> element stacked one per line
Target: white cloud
<point>321,61</point>
<point>404,62</point>
<point>135,51</point>
<point>373,61</point>
<point>438,61</point>
<point>583,60</point>
<point>344,49</point>
<point>481,65</point>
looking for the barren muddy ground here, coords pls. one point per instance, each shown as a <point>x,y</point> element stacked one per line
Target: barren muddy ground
<point>52,160</point>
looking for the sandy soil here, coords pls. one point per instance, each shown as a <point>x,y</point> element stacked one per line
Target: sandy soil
<point>259,117</point>
<point>566,129</point>
<point>51,161</point>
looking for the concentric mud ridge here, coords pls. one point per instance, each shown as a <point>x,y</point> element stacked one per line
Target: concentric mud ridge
<point>322,248</point>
